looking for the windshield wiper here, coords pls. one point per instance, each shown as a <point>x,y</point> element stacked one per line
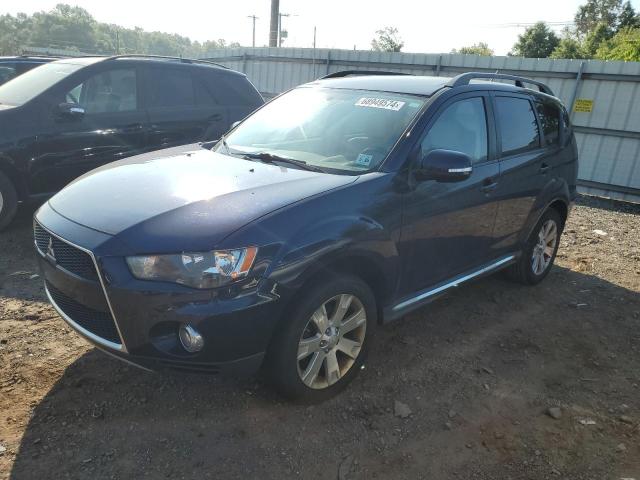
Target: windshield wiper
<point>267,157</point>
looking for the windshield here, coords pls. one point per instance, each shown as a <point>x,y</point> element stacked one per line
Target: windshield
<point>345,131</point>
<point>32,83</point>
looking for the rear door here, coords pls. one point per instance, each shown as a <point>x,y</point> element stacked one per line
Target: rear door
<point>112,127</point>
<point>525,162</point>
<point>181,106</point>
<point>448,227</point>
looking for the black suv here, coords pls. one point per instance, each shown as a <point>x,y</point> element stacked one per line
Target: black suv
<point>11,67</point>
<point>70,116</point>
<point>344,203</point>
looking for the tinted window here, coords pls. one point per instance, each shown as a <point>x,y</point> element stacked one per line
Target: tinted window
<point>549,115</point>
<point>462,127</point>
<point>232,89</point>
<point>518,125</point>
<point>106,92</point>
<point>171,88</point>
<point>203,93</point>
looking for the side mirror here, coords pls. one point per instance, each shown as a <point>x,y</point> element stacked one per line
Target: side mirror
<point>70,110</point>
<point>444,166</point>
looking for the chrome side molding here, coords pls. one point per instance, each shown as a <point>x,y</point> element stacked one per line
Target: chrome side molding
<point>453,283</point>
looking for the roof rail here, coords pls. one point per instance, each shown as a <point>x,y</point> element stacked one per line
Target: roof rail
<point>348,73</point>
<point>166,57</point>
<point>465,79</point>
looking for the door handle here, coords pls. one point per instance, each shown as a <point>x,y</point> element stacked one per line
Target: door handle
<point>488,185</point>
<point>544,168</point>
<point>134,127</point>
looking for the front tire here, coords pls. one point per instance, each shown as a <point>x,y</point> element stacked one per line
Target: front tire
<point>323,344</point>
<point>539,251</point>
<point>8,201</point>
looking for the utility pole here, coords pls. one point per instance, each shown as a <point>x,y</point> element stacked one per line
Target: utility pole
<point>280,15</point>
<point>254,18</point>
<point>274,26</point>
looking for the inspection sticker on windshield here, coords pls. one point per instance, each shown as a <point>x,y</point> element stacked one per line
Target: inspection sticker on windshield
<point>364,159</point>
<point>380,103</point>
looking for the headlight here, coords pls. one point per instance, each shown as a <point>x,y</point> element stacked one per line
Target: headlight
<point>198,270</point>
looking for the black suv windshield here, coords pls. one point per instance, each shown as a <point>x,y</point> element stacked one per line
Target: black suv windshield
<point>32,83</point>
<point>337,130</point>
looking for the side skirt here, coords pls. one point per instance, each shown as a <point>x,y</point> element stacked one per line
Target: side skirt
<point>423,297</point>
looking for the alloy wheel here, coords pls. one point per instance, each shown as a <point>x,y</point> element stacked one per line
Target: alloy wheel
<point>331,341</point>
<point>545,247</point>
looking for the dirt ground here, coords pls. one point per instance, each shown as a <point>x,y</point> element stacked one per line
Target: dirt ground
<point>478,369</point>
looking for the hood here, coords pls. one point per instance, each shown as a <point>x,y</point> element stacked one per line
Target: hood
<point>185,197</point>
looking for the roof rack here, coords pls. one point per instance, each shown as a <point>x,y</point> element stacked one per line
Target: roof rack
<point>168,58</point>
<point>348,73</point>
<point>465,79</point>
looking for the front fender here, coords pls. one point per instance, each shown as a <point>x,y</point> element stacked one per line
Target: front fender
<point>334,244</point>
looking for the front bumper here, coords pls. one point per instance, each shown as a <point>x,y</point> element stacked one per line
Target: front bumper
<point>89,284</point>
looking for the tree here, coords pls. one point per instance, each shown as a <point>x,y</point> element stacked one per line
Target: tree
<point>628,17</point>
<point>595,38</point>
<point>596,12</point>
<point>538,41</point>
<point>569,47</point>
<point>73,28</point>
<point>625,46</point>
<point>480,48</point>
<point>387,40</point>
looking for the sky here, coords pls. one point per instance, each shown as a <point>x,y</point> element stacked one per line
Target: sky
<point>425,26</point>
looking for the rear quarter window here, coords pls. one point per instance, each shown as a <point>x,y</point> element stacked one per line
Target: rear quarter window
<point>231,89</point>
<point>549,115</point>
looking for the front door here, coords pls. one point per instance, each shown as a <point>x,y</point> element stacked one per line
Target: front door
<point>113,126</point>
<point>448,227</point>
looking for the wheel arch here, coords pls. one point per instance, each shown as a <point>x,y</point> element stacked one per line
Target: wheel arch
<point>6,167</point>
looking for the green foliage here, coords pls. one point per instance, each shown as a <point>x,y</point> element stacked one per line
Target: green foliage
<point>605,29</point>
<point>387,40</point>
<point>595,38</point>
<point>596,12</point>
<point>538,41</point>
<point>569,47</point>
<point>73,28</point>
<point>480,48</point>
<point>625,46</point>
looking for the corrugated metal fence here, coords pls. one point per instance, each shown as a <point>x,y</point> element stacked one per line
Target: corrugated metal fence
<point>605,95</point>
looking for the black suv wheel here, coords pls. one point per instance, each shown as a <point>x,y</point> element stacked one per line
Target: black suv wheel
<point>540,250</point>
<point>324,344</point>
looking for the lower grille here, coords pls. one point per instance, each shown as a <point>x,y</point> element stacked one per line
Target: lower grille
<point>66,255</point>
<point>98,323</point>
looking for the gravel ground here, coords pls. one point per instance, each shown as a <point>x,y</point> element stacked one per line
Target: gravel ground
<point>492,381</point>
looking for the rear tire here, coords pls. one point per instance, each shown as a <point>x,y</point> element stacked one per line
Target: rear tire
<point>540,250</point>
<point>8,201</point>
<point>323,343</point>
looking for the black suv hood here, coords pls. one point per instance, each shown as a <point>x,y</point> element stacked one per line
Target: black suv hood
<point>185,197</point>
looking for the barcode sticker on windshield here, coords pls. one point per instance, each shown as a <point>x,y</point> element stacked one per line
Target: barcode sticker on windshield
<point>364,159</point>
<point>380,103</point>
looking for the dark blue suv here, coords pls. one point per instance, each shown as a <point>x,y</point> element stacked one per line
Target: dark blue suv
<point>341,204</point>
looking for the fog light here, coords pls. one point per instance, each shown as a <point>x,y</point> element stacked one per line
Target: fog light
<point>190,338</point>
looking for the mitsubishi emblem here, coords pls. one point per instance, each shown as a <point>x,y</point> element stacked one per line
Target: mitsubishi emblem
<point>50,253</point>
